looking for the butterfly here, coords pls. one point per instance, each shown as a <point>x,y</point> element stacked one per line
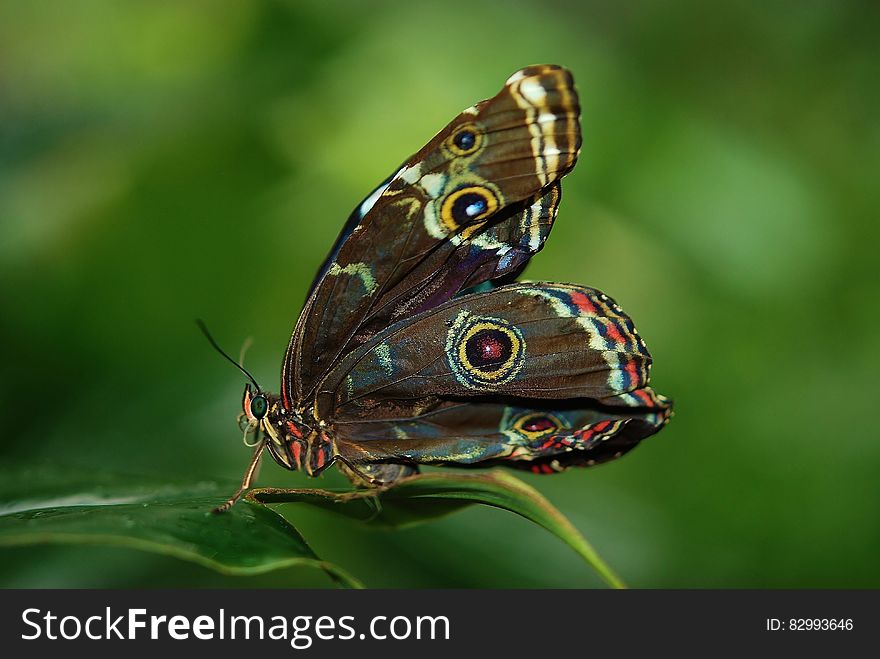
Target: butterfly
<point>418,346</point>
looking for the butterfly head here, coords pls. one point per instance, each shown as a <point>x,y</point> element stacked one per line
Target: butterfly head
<point>261,415</point>
<point>266,419</point>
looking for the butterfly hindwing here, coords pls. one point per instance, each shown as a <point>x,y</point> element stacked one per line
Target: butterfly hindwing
<point>541,436</point>
<point>533,340</point>
<point>483,173</point>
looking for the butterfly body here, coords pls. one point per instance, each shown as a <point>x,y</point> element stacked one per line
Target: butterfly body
<point>417,346</point>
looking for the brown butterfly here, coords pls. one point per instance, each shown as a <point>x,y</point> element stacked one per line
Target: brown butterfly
<point>416,346</point>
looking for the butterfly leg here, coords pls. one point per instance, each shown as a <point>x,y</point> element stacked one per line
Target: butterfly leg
<point>375,474</point>
<point>246,482</point>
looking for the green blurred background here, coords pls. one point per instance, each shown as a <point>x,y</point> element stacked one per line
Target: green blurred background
<point>161,161</point>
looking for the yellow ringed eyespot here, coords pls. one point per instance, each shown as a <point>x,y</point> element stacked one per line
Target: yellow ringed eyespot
<point>483,352</point>
<point>466,140</point>
<point>537,424</point>
<point>467,205</point>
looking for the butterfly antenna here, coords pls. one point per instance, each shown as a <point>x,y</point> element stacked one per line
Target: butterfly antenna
<point>211,340</point>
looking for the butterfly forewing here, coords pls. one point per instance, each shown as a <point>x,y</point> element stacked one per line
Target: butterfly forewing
<point>496,250</point>
<point>493,161</point>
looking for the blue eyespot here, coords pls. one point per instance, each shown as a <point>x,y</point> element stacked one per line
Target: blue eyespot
<point>468,206</point>
<point>476,208</point>
<point>465,140</point>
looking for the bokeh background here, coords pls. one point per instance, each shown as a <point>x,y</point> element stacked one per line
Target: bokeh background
<point>161,161</point>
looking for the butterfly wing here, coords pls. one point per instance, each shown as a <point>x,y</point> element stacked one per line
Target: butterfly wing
<point>497,251</point>
<point>541,436</point>
<point>533,340</point>
<point>546,376</point>
<point>354,219</point>
<point>466,200</point>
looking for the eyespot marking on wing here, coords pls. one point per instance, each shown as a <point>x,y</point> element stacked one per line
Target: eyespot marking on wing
<point>484,352</point>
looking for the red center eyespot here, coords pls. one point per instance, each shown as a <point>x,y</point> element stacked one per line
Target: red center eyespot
<point>490,348</point>
<point>540,424</point>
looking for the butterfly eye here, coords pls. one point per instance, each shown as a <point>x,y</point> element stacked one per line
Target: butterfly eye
<point>465,141</point>
<point>259,406</point>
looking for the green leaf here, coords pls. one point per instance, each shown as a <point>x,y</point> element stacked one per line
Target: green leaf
<point>432,495</point>
<point>51,506</point>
